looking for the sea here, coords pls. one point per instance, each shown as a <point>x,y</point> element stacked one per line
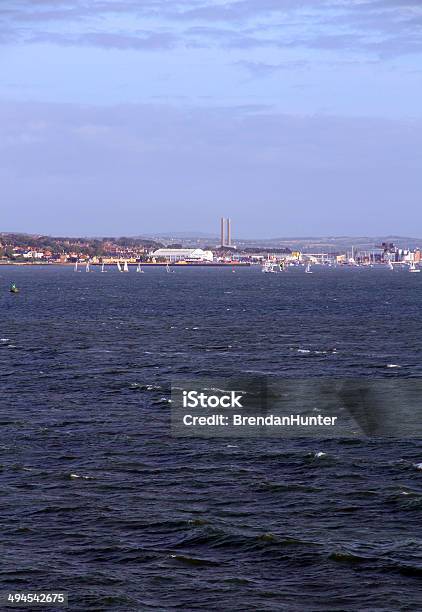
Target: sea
<point>99,500</point>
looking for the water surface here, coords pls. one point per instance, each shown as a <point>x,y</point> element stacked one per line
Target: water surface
<point>100,501</point>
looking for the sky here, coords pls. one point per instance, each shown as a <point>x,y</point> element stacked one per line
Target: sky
<point>130,117</point>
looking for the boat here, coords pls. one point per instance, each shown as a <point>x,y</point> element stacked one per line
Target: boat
<point>390,265</point>
<point>13,288</point>
<point>87,267</point>
<point>125,267</point>
<point>168,269</point>
<point>268,267</point>
<point>76,266</point>
<point>139,269</point>
<point>308,269</point>
<point>413,268</point>
<point>119,267</point>
<point>102,267</point>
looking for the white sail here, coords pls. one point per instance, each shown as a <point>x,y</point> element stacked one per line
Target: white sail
<point>119,267</point>
<point>125,267</point>
<point>102,267</point>
<point>87,266</point>
<point>268,267</point>
<point>308,268</point>
<point>167,268</point>
<point>76,266</point>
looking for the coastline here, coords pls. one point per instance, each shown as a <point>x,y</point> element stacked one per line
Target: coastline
<point>149,265</point>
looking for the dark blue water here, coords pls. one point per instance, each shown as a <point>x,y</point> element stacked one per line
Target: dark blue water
<point>97,499</point>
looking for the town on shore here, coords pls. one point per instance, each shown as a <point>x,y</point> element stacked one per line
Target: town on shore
<point>36,249</point>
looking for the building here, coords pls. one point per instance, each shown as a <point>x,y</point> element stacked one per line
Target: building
<point>174,255</point>
<point>33,255</point>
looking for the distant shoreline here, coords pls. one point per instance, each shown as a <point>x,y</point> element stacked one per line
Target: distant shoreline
<point>143,265</point>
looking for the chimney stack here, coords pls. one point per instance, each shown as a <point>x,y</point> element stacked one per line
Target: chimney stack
<point>229,233</point>
<point>222,221</point>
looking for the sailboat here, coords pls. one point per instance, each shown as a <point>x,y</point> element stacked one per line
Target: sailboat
<point>413,268</point>
<point>268,267</point>
<point>125,267</point>
<point>308,268</point>
<point>87,267</point>
<point>390,265</point>
<point>168,268</point>
<point>119,267</point>
<point>102,267</point>
<point>76,266</point>
<point>139,269</point>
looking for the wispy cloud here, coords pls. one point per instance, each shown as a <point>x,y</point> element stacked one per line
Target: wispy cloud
<point>241,10</point>
<point>140,40</point>
<point>262,69</point>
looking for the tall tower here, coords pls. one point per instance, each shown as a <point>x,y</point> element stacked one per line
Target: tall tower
<point>229,232</point>
<point>222,221</point>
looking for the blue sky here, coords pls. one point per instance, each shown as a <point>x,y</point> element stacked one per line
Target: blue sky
<point>294,117</point>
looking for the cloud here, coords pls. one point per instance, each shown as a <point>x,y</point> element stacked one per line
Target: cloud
<point>396,46</point>
<point>36,11</point>
<point>242,9</point>
<point>262,69</point>
<point>141,40</point>
<point>384,28</point>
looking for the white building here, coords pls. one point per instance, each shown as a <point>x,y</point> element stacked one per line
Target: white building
<point>33,255</point>
<point>184,255</point>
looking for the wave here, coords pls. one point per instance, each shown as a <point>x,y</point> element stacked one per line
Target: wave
<point>144,387</point>
<point>347,557</point>
<point>195,560</point>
